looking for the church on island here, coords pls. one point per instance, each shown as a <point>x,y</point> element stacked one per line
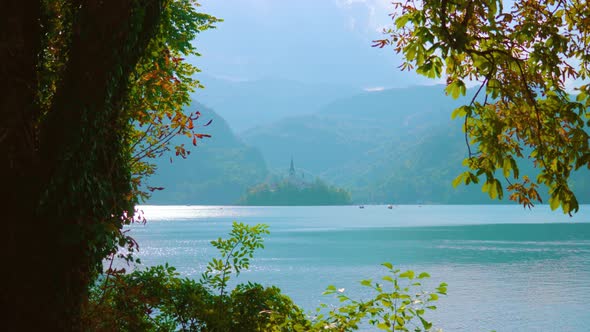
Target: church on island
<point>297,180</point>
<point>295,188</point>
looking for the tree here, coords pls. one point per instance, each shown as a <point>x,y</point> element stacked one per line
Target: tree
<point>68,72</point>
<point>523,60</point>
<point>157,299</point>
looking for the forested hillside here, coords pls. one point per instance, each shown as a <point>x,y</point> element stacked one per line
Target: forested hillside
<point>391,146</point>
<point>396,146</point>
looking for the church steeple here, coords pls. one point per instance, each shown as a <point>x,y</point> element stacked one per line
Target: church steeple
<point>292,168</point>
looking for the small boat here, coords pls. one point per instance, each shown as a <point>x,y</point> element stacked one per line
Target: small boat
<point>361,206</point>
<point>390,207</point>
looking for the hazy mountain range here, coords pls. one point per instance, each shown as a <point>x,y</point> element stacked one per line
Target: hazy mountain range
<point>248,104</point>
<point>396,146</point>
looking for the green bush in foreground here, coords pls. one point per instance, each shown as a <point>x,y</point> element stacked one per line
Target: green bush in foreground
<point>399,304</point>
<point>158,299</point>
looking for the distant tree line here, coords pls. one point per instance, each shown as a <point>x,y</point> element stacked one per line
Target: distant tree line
<point>289,193</point>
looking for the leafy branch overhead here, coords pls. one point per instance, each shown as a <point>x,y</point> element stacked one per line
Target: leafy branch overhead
<point>523,60</point>
<point>160,89</point>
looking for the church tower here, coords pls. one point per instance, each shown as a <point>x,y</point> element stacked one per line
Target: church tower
<point>292,168</point>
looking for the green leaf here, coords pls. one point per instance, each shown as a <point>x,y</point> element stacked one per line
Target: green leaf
<point>401,21</point>
<point>383,326</point>
<point>492,190</point>
<point>459,112</point>
<point>408,274</point>
<point>400,320</point>
<point>427,325</point>
<point>554,202</point>
<point>460,178</point>
<point>506,167</point>
<point>455,89</point>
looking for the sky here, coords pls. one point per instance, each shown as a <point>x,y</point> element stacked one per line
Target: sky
<point>314,41</point>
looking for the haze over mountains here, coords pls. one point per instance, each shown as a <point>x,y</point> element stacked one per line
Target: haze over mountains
<point>390,146</point>
<point>396,146</point>
<point>310,41</point>
<point>251,103</point>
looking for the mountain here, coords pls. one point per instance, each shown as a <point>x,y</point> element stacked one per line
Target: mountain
<point>391,146</point>
<point>354,131</point>
<point>395,146</point>
<point>218,171</point>
<point>247,104</point>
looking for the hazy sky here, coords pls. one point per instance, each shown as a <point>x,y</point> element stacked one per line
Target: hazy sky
<point>305,40</point>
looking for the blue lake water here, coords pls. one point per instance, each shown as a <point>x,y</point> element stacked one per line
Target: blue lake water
<point>508,269</point>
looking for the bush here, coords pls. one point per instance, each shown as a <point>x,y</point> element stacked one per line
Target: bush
<point>399,304</point>
<point>158,299</point>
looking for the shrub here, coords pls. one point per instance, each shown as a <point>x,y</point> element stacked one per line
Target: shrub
<point>158,299</point>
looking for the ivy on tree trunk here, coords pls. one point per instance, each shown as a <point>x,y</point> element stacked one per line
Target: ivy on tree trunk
<point>65,172</point>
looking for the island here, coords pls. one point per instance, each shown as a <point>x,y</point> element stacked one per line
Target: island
<point>295,190</point>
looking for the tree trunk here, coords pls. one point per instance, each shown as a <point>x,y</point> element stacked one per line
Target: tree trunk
<point>22,241</point>
<point>67,192</point>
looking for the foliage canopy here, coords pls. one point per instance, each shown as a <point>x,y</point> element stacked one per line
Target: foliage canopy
<point>92,88</point>
<point>524,60</point>
<point>159,299</point>
<point>159,91</point>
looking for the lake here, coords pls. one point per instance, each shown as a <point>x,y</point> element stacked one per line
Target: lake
<point>508,269</point>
